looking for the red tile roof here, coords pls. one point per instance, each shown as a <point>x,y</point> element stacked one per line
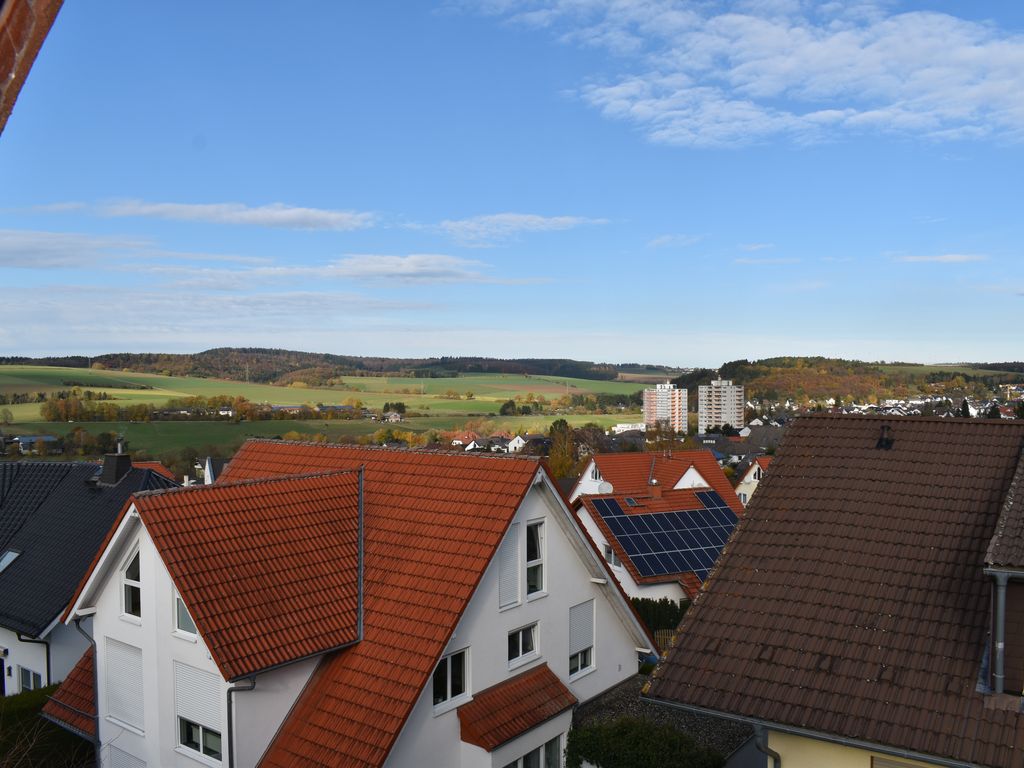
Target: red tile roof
<point>629,473</point>
<point>155,466</point>
<point>24,25</point>
<point>851,600</point>
<point>504,711</point>
<point>73,704</point>
<point>763,461</point>
<point>433,522</point>
<point>267,569</point>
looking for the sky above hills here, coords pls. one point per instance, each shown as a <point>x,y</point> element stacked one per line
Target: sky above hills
<point>673,182</point>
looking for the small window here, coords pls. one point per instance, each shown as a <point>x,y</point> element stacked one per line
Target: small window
<point>199,738</point>
<point>30,681</point>
<point>631,502</point>
<point>611,557</point>
<point>182,618</point>
<point>450,677</point>
<point>132,587</point>
<point>7,558</point>
<point>535,557</point>
<point>522,643</point>
<point>547,756</point>
<point>581,638</point>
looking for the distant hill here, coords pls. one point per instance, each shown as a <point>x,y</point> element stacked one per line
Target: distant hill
<point>281,366</point>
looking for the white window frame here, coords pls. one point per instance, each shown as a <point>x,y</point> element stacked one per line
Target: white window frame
<point>538,563</point>
<point>542,753</point>
<point>200,753</point>
<point>127,583</point>
<point>509,575</point>
<point>451,701</point>
<point>179,631</point>
<point>35,680</point>
<point>522,658</point>
<point>610,557</point>
<point>583,653</point>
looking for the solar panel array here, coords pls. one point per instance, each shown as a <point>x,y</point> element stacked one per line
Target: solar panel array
<point>660,543</point>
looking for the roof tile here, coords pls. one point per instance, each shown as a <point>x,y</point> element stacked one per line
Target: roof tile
<point>73,704</point>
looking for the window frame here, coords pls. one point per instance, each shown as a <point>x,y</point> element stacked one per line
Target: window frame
<point>522,658</point>
<point>538,563</point>
<point>35,679</point>
<point>542,753</point>
<point>451,701</point>
<point>585,657</point>
<point>199,751</point>
<point>183,632</point>
<point>610,557</point>
<point>127,583</point>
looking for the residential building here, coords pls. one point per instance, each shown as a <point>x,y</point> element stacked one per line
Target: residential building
<point>665,405</point>
<point>53,517</point>
<point>719,403</point>
<point>867,611</point>
<point>405,608</point>
<point>635,473</point>
<point>750,477</point>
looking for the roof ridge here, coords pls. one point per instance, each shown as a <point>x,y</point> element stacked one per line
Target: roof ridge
<point>407,449</point>
<point>236,483</point>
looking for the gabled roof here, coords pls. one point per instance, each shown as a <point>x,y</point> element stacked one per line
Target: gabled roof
<point>155,466</point>
<point>1006,549</point>
<point>73,704</point>
<point>851,601</point>
<point>433,521</point>
<point>267,569</point>
<point>55,515</point>
<point>512,707</point>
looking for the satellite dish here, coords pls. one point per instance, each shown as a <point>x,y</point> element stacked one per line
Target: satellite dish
<point>604,487</point>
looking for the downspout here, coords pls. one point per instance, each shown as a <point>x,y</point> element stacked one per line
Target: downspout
<point>39,642</point>
<point>761,742</point>
<point>1000,631</point>
<point>231,732</point>
<point>95,689</point>
<point>360,546</point>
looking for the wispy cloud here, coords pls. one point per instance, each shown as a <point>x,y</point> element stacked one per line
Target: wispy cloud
<point>945,258</point>
<point>30,249</point>
<point>756,246</point>
<point>779,260</point>
<point>414,268</point>
<point>716,74</point>
<point>277,215</point>
<point>675,241</point>
<point>499,227</point>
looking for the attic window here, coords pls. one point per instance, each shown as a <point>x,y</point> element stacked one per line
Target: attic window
<point>7,558</point>
<point>631,502</point>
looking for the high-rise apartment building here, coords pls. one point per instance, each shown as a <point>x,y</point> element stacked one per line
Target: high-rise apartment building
<point>719,403</point>
<point>665,404</point>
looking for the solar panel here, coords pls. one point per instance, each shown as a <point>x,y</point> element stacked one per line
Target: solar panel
<point>678,541</point>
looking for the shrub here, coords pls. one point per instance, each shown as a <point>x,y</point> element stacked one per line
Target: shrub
<point>629,742</point>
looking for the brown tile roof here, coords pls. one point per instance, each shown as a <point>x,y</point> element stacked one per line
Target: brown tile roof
<point>73,704</point>
<point>268,569</point>
<point>1007,546</point>
<point>433,523</point>
<point>504,711</point>
<point>24,25</point>
<point>629,473</point>
<point>851,601</point>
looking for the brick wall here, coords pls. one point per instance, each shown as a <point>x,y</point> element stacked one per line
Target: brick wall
<point>24,25</point>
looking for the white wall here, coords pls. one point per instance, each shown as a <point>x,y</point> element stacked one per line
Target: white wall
<point>260,712</point>
<point>434,740</point>
<point>19,654</point>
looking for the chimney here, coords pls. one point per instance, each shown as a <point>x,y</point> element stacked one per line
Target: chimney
<point>655,490</point>
<point>115,466</point>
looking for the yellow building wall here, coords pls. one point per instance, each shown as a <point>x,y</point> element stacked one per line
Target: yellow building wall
<point>801,752</point>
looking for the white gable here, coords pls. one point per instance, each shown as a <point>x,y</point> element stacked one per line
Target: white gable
<point>692,479</point>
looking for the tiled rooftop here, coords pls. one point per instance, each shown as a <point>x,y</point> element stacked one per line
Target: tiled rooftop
<point>630,473</point>
<point>504,711</point>
<point>73,704</point>
<point>851,600</point>
<point>433,522</point>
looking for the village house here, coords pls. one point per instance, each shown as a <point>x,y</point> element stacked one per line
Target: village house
<point>750,476</point>
<point>867,612</point>
<point>405,609</point>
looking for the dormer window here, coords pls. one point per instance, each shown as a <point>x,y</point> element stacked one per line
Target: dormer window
<point>131,587</point>
<point>7,558</point>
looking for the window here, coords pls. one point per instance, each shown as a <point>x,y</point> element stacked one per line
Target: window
<point>7,558</point>
<point>581,638</point>
<point>611,557</point>
<point>125,700</point>
<point>631,502</point>
<point>522,643</point>
<point>182,618</point>
<point>132,587</point>
<point>535,557</point>
<point>547,756</point>
<point>30,681</point>
<point>508,567</point>
<point>450,677</point>
<point>198,737</point>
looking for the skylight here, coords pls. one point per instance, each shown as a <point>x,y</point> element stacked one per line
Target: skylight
<point>631,501</point>
<point>7,558</point>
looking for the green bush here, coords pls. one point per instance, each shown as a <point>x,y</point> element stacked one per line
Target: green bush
<point>660,614</point>
<point>629,743</point>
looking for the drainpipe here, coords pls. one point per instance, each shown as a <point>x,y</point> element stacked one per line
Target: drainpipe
<point>46,644</point>
<point>761,742</point>
<point>231,733</point>
<point>1000,638</point>
<point>95,689</point>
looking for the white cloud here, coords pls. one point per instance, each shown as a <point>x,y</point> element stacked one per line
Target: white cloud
<point>29,249</point>
<point>721,74</point>
<point>780,260</point>
<point>676,241</point>
<point>755,246</point>
<point>414,268</point>
<point>945,258</point>
<point>276,215</point>
<point>489,229</point>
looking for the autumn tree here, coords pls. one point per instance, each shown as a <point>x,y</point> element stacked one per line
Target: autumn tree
<point>562,458</point>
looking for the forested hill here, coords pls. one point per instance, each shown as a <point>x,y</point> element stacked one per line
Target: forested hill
<point>281,366</point>
<point>821,377</point>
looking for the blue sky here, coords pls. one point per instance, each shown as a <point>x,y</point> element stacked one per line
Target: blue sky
<point>671,182</point>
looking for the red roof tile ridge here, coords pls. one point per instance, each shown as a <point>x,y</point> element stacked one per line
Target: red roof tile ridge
<point>236,483</point>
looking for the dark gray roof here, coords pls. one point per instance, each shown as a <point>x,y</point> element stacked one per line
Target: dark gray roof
<point>55,514</point>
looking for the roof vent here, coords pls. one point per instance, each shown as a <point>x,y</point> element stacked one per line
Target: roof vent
<point>885,440</point>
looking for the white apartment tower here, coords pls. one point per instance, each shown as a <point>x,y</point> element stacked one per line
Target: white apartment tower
<point>719,403</point>
<point>667,405</point>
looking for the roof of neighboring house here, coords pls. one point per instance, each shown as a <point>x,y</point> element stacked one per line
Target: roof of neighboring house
<point>24,25</point>
<point>73,704</point>
<point>155,466</point>
<point>433,521</point>
<point>851,601</point>
<point>630,473</point>
<point>1007,546</point>
<point>55,515</point>
<point>659,554</point>
<point>504,711</point>
<point>746,467</point>
<point>268,569</point>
